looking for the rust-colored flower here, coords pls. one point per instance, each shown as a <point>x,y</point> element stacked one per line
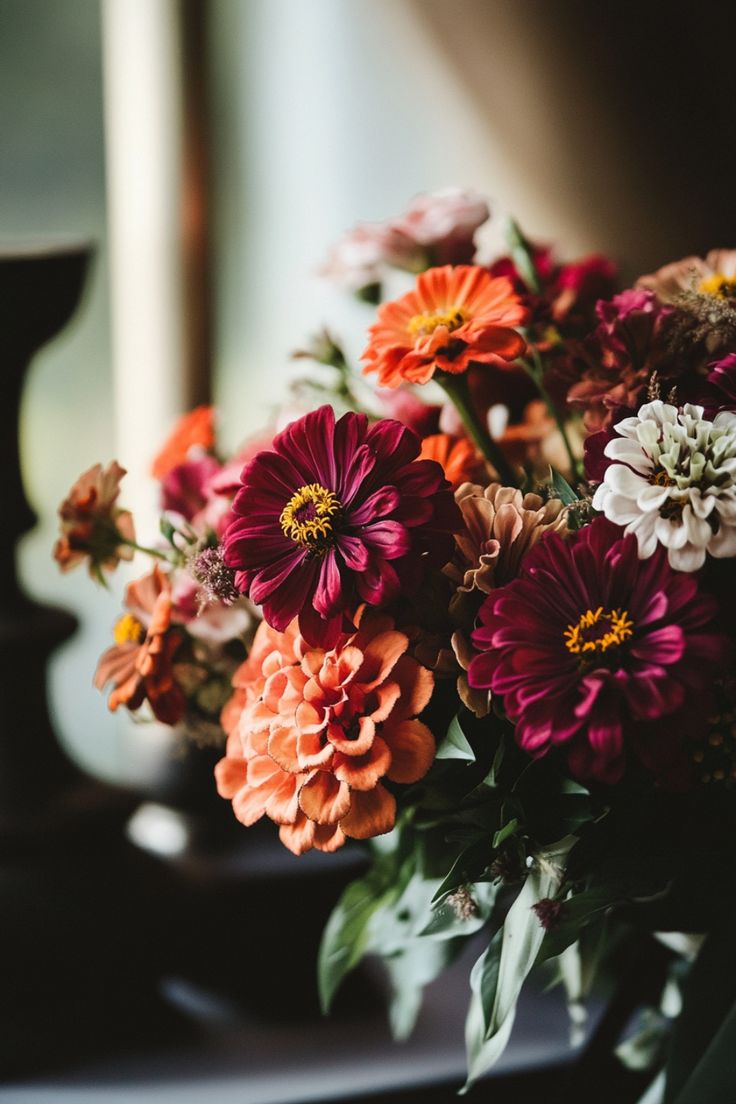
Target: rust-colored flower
<point>453,317</point>
<point>193,430</point>
<point>320,730</point>
<point>457,455</point>
<point>139,664</point>
<point>501,526</point>
<point>93,528</point>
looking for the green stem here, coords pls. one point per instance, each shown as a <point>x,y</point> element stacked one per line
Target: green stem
<point>147,551</point>
<point>536,372</point>
<point>456,388</point>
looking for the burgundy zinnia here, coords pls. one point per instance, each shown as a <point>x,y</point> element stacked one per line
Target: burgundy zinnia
<point>591,647</point>
<point>336,514</point>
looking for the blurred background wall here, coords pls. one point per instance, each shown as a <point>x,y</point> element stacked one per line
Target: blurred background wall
<point>605,127</point>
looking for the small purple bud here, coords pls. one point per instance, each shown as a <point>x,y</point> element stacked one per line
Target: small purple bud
<point>214,576</point>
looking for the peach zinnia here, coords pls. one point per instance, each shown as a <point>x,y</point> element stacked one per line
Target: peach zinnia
<point>452,317</point>
<point>320,731</point>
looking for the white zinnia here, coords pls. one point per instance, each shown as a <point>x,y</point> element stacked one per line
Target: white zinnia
<point>674,483</point>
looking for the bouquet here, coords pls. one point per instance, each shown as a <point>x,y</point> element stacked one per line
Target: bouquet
<point>471,606</point>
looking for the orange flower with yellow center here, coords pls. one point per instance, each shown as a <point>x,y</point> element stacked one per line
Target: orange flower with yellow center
<point>139,666</point>
<point>321,730</point>
<point>452,317</point>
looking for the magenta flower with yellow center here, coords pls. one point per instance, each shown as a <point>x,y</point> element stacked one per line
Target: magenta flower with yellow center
<point>338,513</point>
<point>599,653</point>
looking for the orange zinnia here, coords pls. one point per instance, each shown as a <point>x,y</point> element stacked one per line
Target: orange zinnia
<point>457,455</point>
<point>139,664</point>
<point>195,429</point>
<point>321,729</point>
<point>453,316</point>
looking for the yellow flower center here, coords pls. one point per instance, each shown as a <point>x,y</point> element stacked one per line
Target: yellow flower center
<point>662,479</point>
<point>309,515</point>
<point>128,630</point>
<point>598,630</point>
<point>719,286</point>
<point>422,325</point>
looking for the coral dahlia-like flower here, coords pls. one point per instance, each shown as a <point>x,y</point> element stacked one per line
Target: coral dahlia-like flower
<point>139,665</point>
<point>457,455</point>
<point>319,730</point>
<point>672,481</point>
<point>591,648</point>
<point>452,317</point>
<point>93,528</point>
<point>337,514</point>
<point>195,430</point>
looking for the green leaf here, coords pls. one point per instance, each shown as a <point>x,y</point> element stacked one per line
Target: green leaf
<point>468,866</point>
<point>709,1000</point>
<point>578,911</point>
<point>345,938</point>
<point>562,488</point>
<point>167,529</point>
<point>495,991</point>
<point>713,1081</point>
<point>509,829</point>
<point>409,972</point>
<point>445,923</point>
<point>522,256</point>
<point>455,744</point>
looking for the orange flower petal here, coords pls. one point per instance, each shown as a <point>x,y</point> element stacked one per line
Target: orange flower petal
<point>309,717</point>
<point>328,837</point>
<point>282,747</point>
<point>379,656</point>
<point>412,750</point>
<point>261,770</point>
<point>283,804</point>
<point>230,775</point>
<point>386,697</point>
<point>360,745</point>
<point>417,687</point>
<point>249,805</point>
<point>299,836</point>
<point>371,813</point>
<point>197,428</point>
<point>362,772</point>
<point>323,799</point>
<point>313,750</point>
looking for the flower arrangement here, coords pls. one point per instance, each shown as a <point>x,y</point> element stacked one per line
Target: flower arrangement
<point>473,609</point>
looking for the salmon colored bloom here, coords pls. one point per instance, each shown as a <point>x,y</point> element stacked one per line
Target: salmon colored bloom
<point>139,665</point>
<point>452,317</point>
<point>193,430</point>
<point>320,730</point>
<point>458,457</point>
<point>93,528</point>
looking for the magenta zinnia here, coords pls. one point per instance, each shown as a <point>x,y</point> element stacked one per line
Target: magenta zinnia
<point>591,648</point>
<point>337,514</point>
